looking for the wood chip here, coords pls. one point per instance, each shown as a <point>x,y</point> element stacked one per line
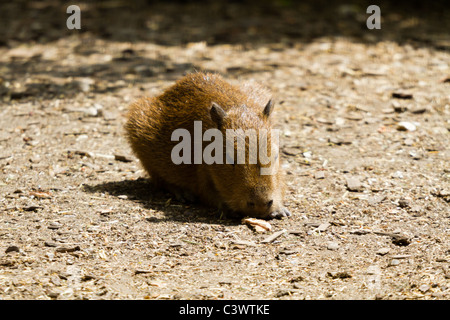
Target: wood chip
<point>258,224</point>
<point>244,243</point>
<point>274,236</point>
<point>322,227</point>
<point>41,194</point>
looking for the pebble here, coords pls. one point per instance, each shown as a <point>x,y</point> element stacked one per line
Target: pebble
<point>50,244</point>
<point>332,245</point>
<point>354,184</point>
<point>109,116</point>
<point>319,175</point>
<point>415,155</point>
<point>419,110</point>
<point>424,288</point>
<point>67,249</point>
<point>376,199</point>
<point>55,280</point>
<point>85,84</point>
<point>95,111</point>
<point>406,126</point>
<point>394,262</point>
<point>415,209</point>
<point>400,108</point>
<point>402,95</point>
<point>398,175</point>
<point>373,269</point>
<point>408,142</point>
<point>12,249</point>
<point>403,203</point>
<point>339,275</point>
<point>307,154</point>
<point>54,225</point>
<point>52,294</point>
<point>383,251</point>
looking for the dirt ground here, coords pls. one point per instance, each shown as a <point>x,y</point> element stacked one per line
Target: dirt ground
<point>365,121</point>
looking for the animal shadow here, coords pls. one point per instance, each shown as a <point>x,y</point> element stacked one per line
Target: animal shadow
<point>145,193</point>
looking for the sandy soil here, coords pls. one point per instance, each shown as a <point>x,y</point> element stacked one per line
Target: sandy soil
<point>364,116</point>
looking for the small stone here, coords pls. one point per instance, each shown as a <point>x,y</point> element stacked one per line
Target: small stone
<point>373,269</point>
<point>419,110</point>
<point>109,116</point>
<point>424,288</point>
<point>339,275</point>
<point>408,142</point>
<point>415,155</point>
<point>87,277</point>
<point>52,294</point>
<point>398,175</point>
<point>354,184</point>
<point>68,249</point>
<point>90,112</point>
<point>85,84</point>
<point>35,158</point>
<point>332,245</point>
<point>95,111</point>
<point>54,225</point>
<point>403,203</point>
<point>400,109</point>
<point>406,126</point>
<point>50,244</point>
<point>376,199</point>
<point>32,208</point>
<point>122,158</point>
<point>336,141</point>
<point>394,262</point>
<point>400,240</point>
<point>307,154</point>
<point>12,249</point>
<point>383,251</point>
<point>339,121</point>
<point>56,280</point>
<point>416,209</point>
<point>319,175</point>
<point>402,95</point>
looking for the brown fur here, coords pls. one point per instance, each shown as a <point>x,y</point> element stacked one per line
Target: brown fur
<point>240,187</point>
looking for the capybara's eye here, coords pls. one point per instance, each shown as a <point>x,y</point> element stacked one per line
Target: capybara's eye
<point>269,203</point>
<point>251,204</point>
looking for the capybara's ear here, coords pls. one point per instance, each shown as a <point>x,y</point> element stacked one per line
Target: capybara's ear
<point>268,108</point>
<point>217,114</point>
